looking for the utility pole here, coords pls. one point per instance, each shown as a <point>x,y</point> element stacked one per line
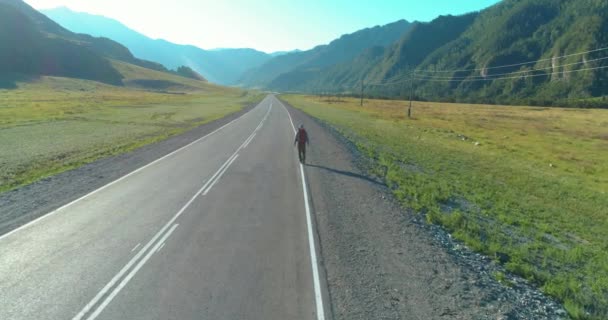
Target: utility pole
<point>362,92</point>
<point>409,110</point>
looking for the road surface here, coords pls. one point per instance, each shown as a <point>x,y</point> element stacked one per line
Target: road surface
<point>219,229</point>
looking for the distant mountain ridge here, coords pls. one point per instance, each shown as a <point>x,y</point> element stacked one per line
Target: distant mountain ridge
<point>340,50</point>
<point>224,66</point>
<point>31,43</point>
<point>460,58</point>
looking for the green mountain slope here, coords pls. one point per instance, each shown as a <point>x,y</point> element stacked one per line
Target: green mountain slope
<point>223,66</point>
<point>460,58</point>
<point>31,43</point>
<point>513,32</point>
<point>379,63</point>
<point>306,63</point>
<point>25,49</point>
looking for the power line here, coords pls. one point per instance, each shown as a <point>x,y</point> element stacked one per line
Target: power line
<point>511,75</point>
<point>505,78</point>
<point>517,72</point>
<point>394,80</point>
<point>513,65</point>
<point>413,75</point>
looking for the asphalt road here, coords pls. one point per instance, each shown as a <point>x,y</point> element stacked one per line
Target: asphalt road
<point>219,229</point>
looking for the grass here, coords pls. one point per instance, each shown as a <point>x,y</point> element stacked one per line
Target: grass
<point>53,124</point>
<point>523,183</point>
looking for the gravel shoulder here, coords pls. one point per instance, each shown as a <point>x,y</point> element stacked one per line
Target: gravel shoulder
<point>383,262</point>
<point>27,203</point>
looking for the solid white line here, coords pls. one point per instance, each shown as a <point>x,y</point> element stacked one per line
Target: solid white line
<point>313,251</point>
<point>135,248</point>
<point>159,248</point>
<point>311,240</point>
<point>133,260</point>
<point>223,169</point>
<point>220,175</point>
<point>123,177</point>
<point>124,282</point>
<point>249,141</point>
<point>120,274</point>
<point>217,173</point>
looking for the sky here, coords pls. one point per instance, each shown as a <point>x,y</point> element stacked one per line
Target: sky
<point>265,25</point>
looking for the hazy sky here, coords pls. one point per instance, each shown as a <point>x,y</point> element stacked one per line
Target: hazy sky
<point>266,25</point>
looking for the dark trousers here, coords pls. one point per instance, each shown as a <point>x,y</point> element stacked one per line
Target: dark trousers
<point>302,152</point>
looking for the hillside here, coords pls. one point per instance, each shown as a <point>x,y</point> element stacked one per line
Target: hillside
<point>306,63</point>
<point>513,32</point>
<point>461,58</point>
<point>30,51</point>
<point>378,63</point>
<point>189,73</point>
<point>223,66</point>
<point>35,45</point>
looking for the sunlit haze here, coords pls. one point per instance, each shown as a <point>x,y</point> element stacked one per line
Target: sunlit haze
<point>272,25</point>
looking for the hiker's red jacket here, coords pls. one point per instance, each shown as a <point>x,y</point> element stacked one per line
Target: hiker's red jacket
<point>301,137</point>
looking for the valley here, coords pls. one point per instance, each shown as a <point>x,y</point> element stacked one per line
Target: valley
<point>457,161</point>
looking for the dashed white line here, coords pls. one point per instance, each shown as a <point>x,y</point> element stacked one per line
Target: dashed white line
<point>121,178</point>
<point>220,175</point>
<point>124,282</point>
<point>248,141</point>
<point>152,243</point>
<point>311,241</point>
<point>135,248</point>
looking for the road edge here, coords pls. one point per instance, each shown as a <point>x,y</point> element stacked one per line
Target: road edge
<point>326,305</point>
<point>44,198</point>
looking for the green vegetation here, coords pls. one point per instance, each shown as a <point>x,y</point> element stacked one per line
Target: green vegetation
<point>526,184</point>
<point>52,124</point>
<point>292,70</point>
<point>467,50</point>
<point>31,51</point>
<point>31,43</point>
<point>189,73</point>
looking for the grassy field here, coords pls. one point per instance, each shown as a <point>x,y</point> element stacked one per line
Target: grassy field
<point>525,185</point>
<point>53,124</point>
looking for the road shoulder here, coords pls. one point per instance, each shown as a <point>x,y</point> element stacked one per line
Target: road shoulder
<point>382,262</point>
<point>25,204</point>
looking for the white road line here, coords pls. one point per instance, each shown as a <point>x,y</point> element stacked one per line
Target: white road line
<point>311,240</point>
<point>217,173</point>
<point>133,260</point>
<point>126,280</point>
<point>220,175</point>
<point>135,248</point>
<point>249,141</point>
<point>159,248</point>
<point>123,177</point>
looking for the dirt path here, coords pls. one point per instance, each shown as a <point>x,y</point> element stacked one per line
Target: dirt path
<point>383,263</point>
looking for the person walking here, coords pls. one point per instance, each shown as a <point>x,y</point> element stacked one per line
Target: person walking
<point>302,141</point>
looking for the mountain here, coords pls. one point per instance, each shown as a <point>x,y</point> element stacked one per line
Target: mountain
<point>31,43</point>
<point>513,32</point>
<point>307,63</point>
<point>223,66</point>
<point>378,63</point>
<point>281,53</point>
<point>463,58</point>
